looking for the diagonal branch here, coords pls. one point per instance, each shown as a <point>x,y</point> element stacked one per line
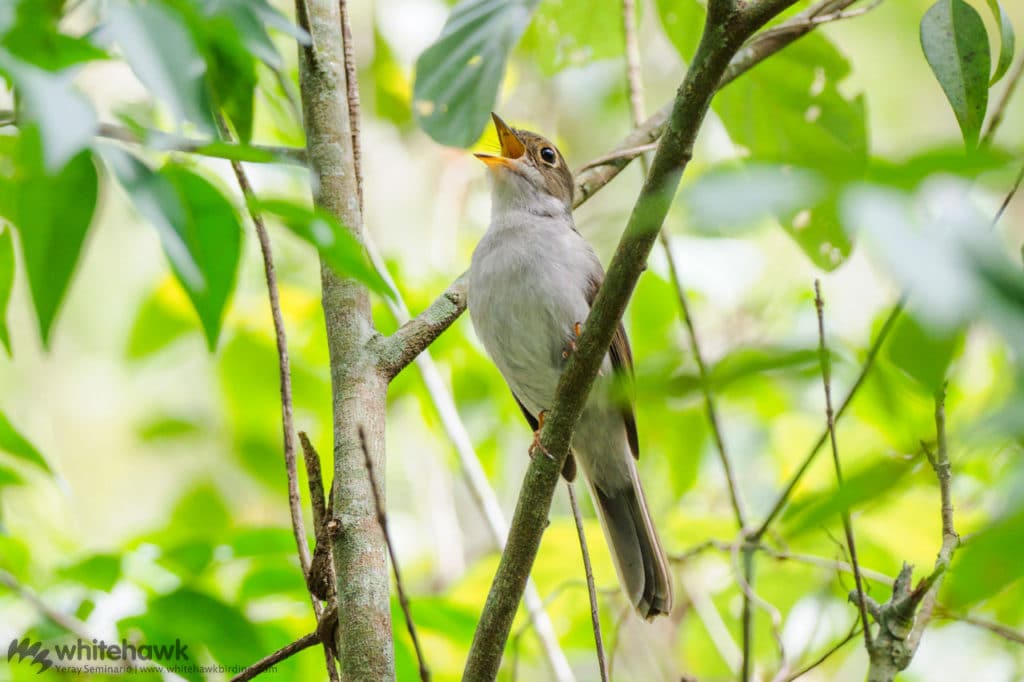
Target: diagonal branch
<point>595,618</point>
<point>726,29</point>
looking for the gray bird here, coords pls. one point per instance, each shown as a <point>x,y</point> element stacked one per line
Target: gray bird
<point>532,281</point>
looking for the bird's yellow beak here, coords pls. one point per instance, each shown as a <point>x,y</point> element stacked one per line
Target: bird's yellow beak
<point>511,147</point>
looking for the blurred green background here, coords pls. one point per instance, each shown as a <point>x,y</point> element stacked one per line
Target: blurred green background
<point>165,513</point>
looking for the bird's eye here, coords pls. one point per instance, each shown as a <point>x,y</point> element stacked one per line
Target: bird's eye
<point>548,155</point>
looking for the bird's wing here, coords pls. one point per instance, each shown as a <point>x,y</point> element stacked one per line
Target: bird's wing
<point>622,364</point>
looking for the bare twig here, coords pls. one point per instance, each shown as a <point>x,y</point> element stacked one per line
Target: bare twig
<point>1009,196</point>
<point>270,660</point>
<point>826,379</point>
<point>285,383</point>
<point>595,617</point>
<point>754,599</point>
<point>999,110</point>
<point>71,624</point>
<point>999,629</point>
<point>403,599</point>
<point>854,631</point>
<point>616,638</point>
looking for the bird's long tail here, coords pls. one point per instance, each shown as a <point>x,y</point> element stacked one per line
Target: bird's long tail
<point>639,559</point>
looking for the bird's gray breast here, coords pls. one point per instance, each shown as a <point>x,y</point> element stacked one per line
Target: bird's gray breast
<point>527,288</point>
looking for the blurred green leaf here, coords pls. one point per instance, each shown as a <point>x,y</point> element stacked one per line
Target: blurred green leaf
<point>923,353</point>
<point>712,199</point>
<point>201,512</point>
<point>683,21</point>
<point>335,243</point>
<point>572,34</point>
<point>871,484</point>
<point>200,621</point>
<point>250,542</point>
<point>9,477</point>
<point>457,77</point>
<point>955,44</point>
<point>745,363</point>
<point>160,321</point>
<point>791,111</point>
<point>167,427</point>
<point>164,55</point>
<point>908,173</point>
<point>187,559</point>
<point>65,118</point>
<point>272,579</point>
<point>97,572</point>
<point>988,561</point>
<point>15,444</point>
<point>52,232</point>
<point>1006,41</point>
<point>35,38</point>
<point>390,83</point>
<point>6,284</point>
<point>199,230</point>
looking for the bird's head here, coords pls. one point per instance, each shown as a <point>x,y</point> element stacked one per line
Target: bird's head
<point>530,174</point>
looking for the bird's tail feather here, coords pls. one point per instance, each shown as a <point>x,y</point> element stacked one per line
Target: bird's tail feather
<point>633,541</point>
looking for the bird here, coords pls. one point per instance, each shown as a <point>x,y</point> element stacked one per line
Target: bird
<point>532,280</point>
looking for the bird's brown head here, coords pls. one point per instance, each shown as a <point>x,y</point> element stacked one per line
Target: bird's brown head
<point>530,170</point>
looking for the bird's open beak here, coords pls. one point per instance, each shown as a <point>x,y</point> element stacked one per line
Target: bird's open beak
<point>511,147</point>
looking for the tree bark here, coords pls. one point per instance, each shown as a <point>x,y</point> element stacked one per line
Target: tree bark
<point>364,640</point>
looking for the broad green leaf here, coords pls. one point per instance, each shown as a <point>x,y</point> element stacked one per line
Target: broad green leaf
<point>565,34</point>
<point>683,21</point>
<point>988,561</point>
<point>35,38</point>
<point>955,44</point>
<point>97,572</point>
<point>199,230</point>
<point>249,542</point>
<point>335,243</point>
<point>163,318</point>
<point>910,172</point>
<point>272,579</point>
<point>9,477</point>
<point>711,204</point>
<point>188,559</point>
<point>199,621</point>
<point>162,52</point>
<point>868,485</point>
<point>166,427</point>
<point>65,118</point>
<point>457,78</point>
<point>923,353</point>
<point>1006,41</point>
<point>790,111</point>
<point>52,232</point>
<point>6,284</point>
<point>201,512</point>
<point>15,444</point>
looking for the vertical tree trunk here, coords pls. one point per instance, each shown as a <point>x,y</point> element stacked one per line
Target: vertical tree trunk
<point>359,390</point>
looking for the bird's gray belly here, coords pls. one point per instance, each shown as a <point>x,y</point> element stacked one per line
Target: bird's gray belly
<point>523,310</point>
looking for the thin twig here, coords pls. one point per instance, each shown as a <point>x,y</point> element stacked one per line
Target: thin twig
<point>285,384</point>
<point>754,599</point>
<point>403,599</point>
<point>71,624</point>
<point>270,660</point>
<point>595,617</point>
<point>1009,196</point>
<point>999,629</point>
<point>617,638</point>
<point>854,631</point>
<point>826,379</point>
<point>998,111</point>
<point>805,23</point>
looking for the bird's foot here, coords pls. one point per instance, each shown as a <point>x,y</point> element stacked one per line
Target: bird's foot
<point>570,346</point>
<point>537,445</point>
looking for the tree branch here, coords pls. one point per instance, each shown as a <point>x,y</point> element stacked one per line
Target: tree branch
<point>826,380</point>
<point>724,32</point>
<point>270,660</point>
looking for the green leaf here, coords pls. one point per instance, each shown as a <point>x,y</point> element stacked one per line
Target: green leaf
<point>923,353</point>
<point>1006,41</point>
<point>52,232</point>
<point>199,230</point>
<point>458,76</point>
<point>6,284</point>
<point>573,34</point>
<point>824,506</point>
<point>9,477</point>
<point>97,572</point>
<point>335,243</point>
<point>35,38</point>
<point>988,561</point>
<point>15,444</point>
<point>683,21</point>
<point>162,52</point>
<point>955,44</point>
<point>249,542</point>
<point>64,116</point>
<point>790,111</point>
<point>272,579</point>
